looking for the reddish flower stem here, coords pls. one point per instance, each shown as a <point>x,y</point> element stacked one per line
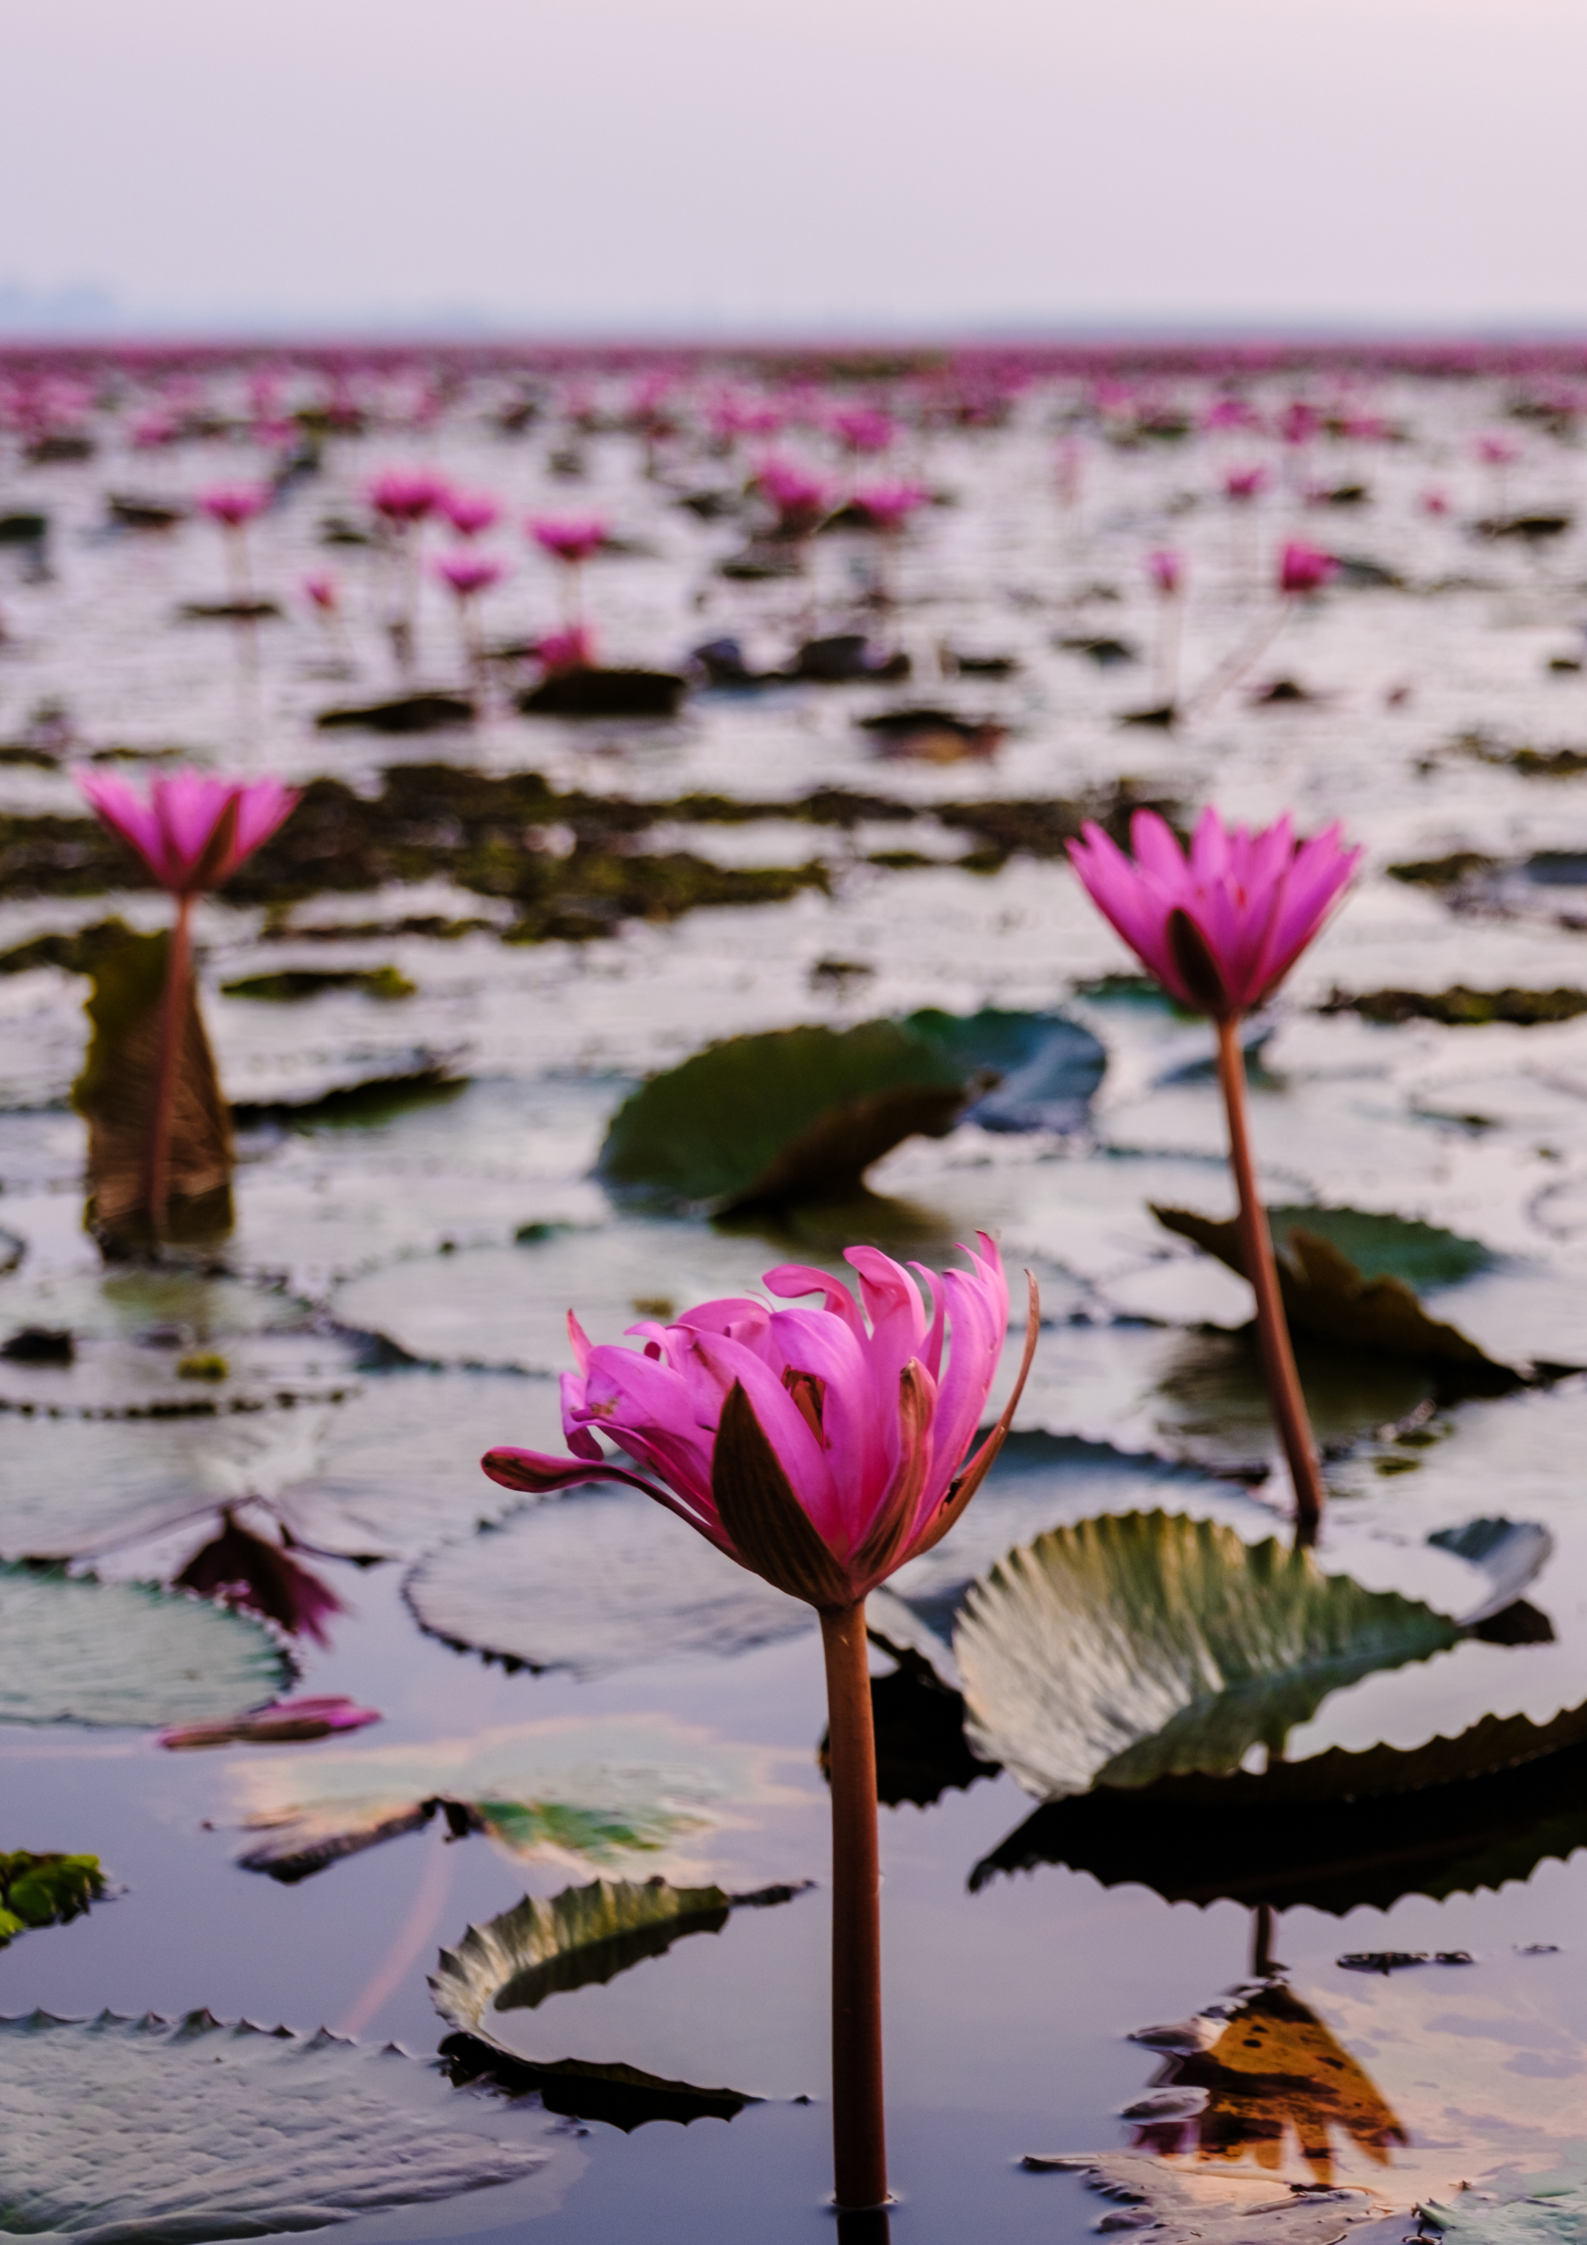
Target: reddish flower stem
<point>1278,1358</point>
<point>859,2141</point>
<point>173,1014</point>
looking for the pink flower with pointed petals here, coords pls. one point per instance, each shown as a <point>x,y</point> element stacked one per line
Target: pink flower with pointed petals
<point>890,505</point>
<point>1303,568</point>
<point>469,573</point>
<point>817,1449</point>
<point>570,538</point>
<point>233,504</point>
<point>470,513</point>
<point>193,829</point>
<point>1221,928</point>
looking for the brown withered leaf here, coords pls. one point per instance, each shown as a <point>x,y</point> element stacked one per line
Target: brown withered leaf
<point>1326,1295</point>
<point>115,1096</point>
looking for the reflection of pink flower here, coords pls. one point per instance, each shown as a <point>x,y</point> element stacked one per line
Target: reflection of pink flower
<point>890,505</point>
<point>321,590</point>
<point>817,1452</point>
<point>406,495</point>
<point>1245,483</point>
<point>1221,928</point>
<point>1303,568</point>
<point>233,504</point>
<point>571,538</point>
<point>469,573</point>
<point>470,512</point>
<point>284,1722</point>
<point>1166,569</point>
<point>192,830</point>
<point>244,1570</point>
<point>573,649</point>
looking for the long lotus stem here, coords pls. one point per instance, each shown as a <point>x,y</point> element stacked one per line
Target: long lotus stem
<point>858,2126</point>
<point>1237,664</point>
<point>1165,682</point>
<point>173,1018</point>
<point>1278,1358</point>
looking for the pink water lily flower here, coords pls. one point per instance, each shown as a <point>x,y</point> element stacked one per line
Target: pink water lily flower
<point>890,505</point>
<point>233,504</point>
<point>469,512</point>
<point>193,829</point>
<point>562,651</point>
<point>570,538</point>
<point>406,495</point>
<point>1242,484</point>
<point>469,573</point>
<point>817,1450</point>
<point>1303,568</point>
<point>1221,928</point>
<point>320,588</point>
<point>1166,570</point>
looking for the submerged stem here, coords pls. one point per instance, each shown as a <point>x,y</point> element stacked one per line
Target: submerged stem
<point>1278,1358</point>
<point>173,1016</point>
<point>858,2124</point>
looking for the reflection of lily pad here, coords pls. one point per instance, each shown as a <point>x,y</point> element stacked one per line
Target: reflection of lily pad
<point>1129,1647</point>
<point>1335,1832</point>
<point>125,1653</point>
<point>1190,2205</point>
<point>581,1938</point>
<point>596,1795</point>
<point>1327,1294</point>
<point>596,1582</point>
<point>129,2128</point>
<point>772,1117</point>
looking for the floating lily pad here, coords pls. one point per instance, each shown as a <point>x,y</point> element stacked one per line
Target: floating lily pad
<point>120,2129</point>
<point>288,984</point>
<point>783,1115</point>
<point>1047,1066</point>
<point>1461,1008</point>
<point>39,1890</point>
<point>1554,2215</point>
<point>1336,1832</point>
<point>1327,1294</point>
<point>594,1795</point>
<point>1188,2205</point>
<point>1130,1647</point>
<point>127,1654</point>
<point>593,1582</point>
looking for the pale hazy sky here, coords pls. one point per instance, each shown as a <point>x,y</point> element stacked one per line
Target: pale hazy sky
<point>755,164</point>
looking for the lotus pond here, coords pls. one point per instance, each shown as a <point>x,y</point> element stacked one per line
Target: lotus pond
<point>1230,1892</point>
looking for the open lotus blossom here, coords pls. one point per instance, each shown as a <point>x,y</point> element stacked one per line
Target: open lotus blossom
<point>193,829</point>
<point>1221,928</point>
<point>820,1448</point>
<point>1303,568</point>
<point>816,1451</point>
<point>570,538</point>
<point>233,504</point>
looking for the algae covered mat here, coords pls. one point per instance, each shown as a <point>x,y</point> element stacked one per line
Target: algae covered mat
<point>609,985</point>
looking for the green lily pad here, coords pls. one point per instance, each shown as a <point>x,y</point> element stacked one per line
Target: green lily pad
<point>39,1890</point>
<point>776,1117</point>
<point>1328,1294</point>
<point>595,1582</point>
<point>288,984</point>
<point>1139,1644</point>
<point>1556,2216</point>
<point>125,2129</point>
<point>601,1794</point>
<point>127,1654</point>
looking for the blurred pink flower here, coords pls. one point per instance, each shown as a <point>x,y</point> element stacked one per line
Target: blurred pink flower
<point>571,538</point>
<point>233,504</point>
<point>470,512</point>
<point>406,495</point>
<point>1498,451</point>
<point>284,1722</point>
<point>1231,413</point>
<point>572,649</point>
<point>818,1452</point>
<point>469,573</point>
<point>193,829</point>
<point>1245,483</point>
<point>800,498</point>
<point>1303,568</point>
<point>1435,502</point>
<point>1221,928</point>
<point>864,428</point>
<point>1166,569</point>
<point>890,505</point>
<point>321,589</point>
